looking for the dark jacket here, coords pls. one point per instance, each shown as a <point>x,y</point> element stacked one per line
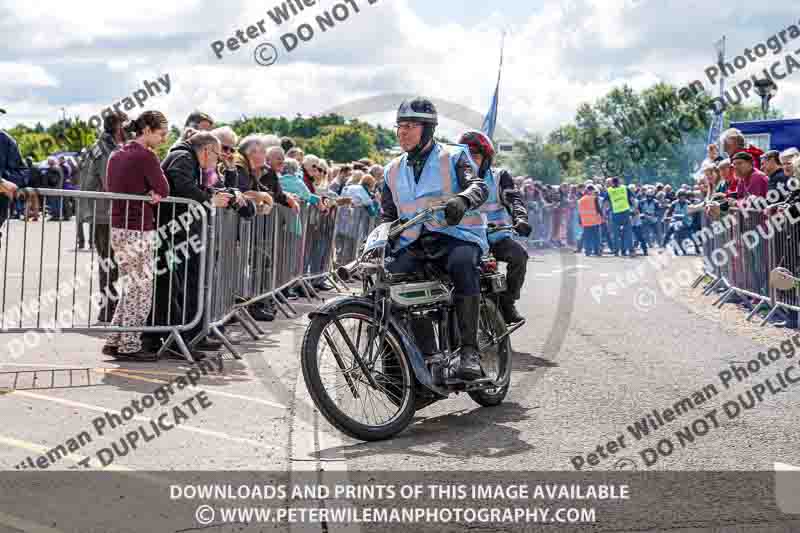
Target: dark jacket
<point>272,184</point>
<point>93,178</point>
<point>473,189</point>
<point>11,165</point>
<point>34,177</point>
<point>185,177</point>
<point>53,178</point>
<point>777,178</point>
<point>267,182</point>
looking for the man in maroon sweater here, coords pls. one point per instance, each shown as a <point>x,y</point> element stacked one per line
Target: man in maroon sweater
<point>752,182</point>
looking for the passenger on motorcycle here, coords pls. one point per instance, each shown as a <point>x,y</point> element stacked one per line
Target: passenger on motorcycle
<point>504,207</point>
<point>431,173</point>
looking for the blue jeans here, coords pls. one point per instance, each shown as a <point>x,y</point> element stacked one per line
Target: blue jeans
<point>591,240</point>
<point>622,227</point>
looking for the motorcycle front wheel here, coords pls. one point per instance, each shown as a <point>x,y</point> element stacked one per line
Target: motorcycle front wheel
<point>366,394</point>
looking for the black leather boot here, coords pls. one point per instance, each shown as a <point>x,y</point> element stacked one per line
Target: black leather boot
<point>509,310</point>
<point>468,309</point>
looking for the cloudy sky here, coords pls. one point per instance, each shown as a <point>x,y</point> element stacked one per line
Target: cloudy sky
<point>83,55</point>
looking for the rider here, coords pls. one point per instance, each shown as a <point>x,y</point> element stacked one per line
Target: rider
<point>429,173</point>
<point>504,207</point>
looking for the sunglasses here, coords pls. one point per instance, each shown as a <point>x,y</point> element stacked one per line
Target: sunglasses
<point>228,149</point>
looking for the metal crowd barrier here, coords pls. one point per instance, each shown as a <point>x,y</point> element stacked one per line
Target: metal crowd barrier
<point>258,259</point>
<point>238,262</point>
<point>352,225</point>
<point>740,255</point>
<point>49,285</point>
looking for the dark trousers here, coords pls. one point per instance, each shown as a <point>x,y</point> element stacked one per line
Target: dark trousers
<point>460,259</point>
<point>622,232</point>
<point>591,240</point>
<point>638,235</point>
<point>608,236</point>
<point>107,273</point>
<point>516,258</point>
<point>177,285</point>
<point>5,206</point>
<point>650,232</point>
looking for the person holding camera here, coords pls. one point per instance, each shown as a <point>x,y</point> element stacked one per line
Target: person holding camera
<point>185,167</point>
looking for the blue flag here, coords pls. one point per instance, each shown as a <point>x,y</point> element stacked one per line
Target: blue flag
<point>490,121</point>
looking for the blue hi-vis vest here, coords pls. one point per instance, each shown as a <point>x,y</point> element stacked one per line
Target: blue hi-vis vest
<point>496,213</point>
<point>437,184</point>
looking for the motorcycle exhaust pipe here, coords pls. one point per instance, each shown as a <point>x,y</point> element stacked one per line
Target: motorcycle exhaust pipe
<point>345,272</point>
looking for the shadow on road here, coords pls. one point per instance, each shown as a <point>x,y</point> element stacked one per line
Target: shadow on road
<point>527,362</point>
<point>478,433</point>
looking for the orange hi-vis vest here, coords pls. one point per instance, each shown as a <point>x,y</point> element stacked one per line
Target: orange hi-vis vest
<point>587,209</point>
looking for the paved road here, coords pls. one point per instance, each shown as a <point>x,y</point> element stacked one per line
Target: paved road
<point>591,362</point>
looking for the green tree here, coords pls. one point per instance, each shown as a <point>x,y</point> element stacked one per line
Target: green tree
<point>742,113</point>
<point>347,143</point>
<point>536,159</point>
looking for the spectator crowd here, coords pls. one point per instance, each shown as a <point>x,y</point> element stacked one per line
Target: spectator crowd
<point>251,175</point>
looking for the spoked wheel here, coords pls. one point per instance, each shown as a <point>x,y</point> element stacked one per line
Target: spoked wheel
<point>365,393</point>
<point>495,360</point>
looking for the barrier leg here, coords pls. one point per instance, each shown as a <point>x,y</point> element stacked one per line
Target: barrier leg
<point>283,301</point>
<point>175,336</point>
<point>279,305</point>
<point>332,280</point>
<point>252,321</point>
<point>755,309</point>
<point>699,280</point>
<point>769,315</point>
<point>224,340</point>
<point>724,298</point>
<point>245,321</point>
<point>708,290</point>
<point>340,280</point>
<point>310,289</point>
<point>302,284</point>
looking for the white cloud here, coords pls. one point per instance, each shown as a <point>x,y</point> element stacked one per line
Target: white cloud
<point>559,55</point>
<point>25,75</point>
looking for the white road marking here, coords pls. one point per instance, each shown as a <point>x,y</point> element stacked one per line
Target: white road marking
<point>38,448</point>
<point>182,427</point>
<point>20,524</point>
<point>132,375</point>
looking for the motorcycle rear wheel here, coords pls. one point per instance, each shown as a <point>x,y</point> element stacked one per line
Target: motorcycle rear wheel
<point>333,376</point>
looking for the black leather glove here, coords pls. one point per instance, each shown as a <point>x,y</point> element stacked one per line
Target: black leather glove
<point>522,228</point>
<point>454,210</point>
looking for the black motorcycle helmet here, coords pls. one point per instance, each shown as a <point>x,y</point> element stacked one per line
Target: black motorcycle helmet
<point>422,110</point>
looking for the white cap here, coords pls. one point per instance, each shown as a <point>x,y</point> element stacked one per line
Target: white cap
<point>789,153</point>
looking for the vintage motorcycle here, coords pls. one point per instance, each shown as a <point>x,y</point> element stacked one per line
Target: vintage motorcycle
<point>365,370</point>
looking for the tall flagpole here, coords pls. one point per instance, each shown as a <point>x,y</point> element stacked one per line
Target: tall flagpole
<point>490,120</point>
<point>716,124</point>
